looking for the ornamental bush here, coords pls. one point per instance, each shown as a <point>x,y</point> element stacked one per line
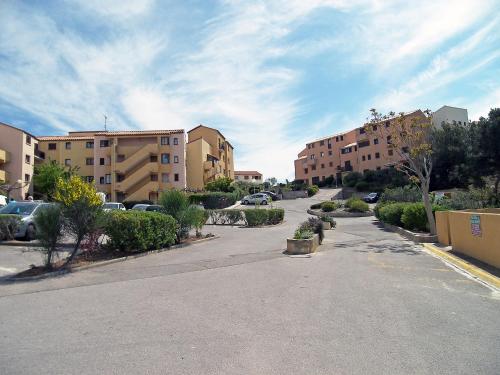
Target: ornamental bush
<point>356,205</point>
<point>315,206</point>
<point>406,193</point>
<point>328,206</point>
<point>391,213</point>
<point>215,200</point>
<point>133,231</point>
<point>256,217</point>
<point>9,224</point>
<point>303,234</point>
<point>312,190</point>
<point>414,217</point>
<point>275,216</point>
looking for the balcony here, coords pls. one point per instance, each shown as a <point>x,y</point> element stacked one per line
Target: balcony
<point>4,156</point>
<point>312,161</point>
<point>4,176</point>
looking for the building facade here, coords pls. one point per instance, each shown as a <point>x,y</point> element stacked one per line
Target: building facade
<point>249,176</point>
<point>125,165</point>
<point>450,115</point>
<point>351,151</point>
<point>18,155</point>
<point>209,156</point>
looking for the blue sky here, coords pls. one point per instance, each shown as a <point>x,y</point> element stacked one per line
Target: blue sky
<point>269,74</point>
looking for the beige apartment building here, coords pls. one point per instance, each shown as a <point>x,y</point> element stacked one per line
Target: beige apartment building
<point>248,176</point>
<point>353,150</point>
<point>18,154</point>
<point>125,165</point>
<point>209,156</point>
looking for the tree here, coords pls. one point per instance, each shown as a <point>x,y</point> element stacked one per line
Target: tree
<point>81,206</point>
<point>46,176</point>
<point>272,181</point>
<point>49,230</point>
<point>220,184</point>
<point>487,149</point>
<point>410,140</point>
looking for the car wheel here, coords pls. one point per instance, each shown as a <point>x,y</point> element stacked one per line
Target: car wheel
<point>264,202</point>
<point>245,202</point>
<point>30,233</point>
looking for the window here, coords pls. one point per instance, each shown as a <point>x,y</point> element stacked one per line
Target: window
<point>346,150</point>
<point>120,178</point>
<point>377,155</point>
<point>322,166</point>
<point>104,143</point>
<point>89,161</point>
<point>67,145</point>
<point>405,150</point>
<point>176,176</point>
<point>52,146</point>
<point>306,170</point>
<point>154,177</point>
<point>165,141</point>
<point>331,164</point>
<point>89,179</point>
<point>321,143</point>
<point>378,168</point>
<point>363,158</point>
<point>67,162</point>
<point>101,161</point>
<point>362,131</point>
<point>89,144</point>
<point>375,141</point>
<point>312,156</point>
<point>336,139</point>
<point>107,178</point>
<point>374,127</point>
<point>246,177</point>
<point>165,177</point>
<point>313,168</point>
<point>165,158</point>
<point>341,137</point>
<point>330,153</point>
<point>369,156</point>
<point>28,139</point>
<point>153,159</point>
<point>176,159</point>
<point>364,144</point>
<point>26,178</point>
<point>27,159</point>
<point>101,180</point>
<point>321,154</point>
<point>312,145</point>
<point>390,152</point>
<point>176,141</point>
<point>389,139</point>
<point>308,146</point>
<point>387,124</point>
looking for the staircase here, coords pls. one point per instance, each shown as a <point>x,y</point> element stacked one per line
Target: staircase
<point>136,176</point>
<point>136,159</point>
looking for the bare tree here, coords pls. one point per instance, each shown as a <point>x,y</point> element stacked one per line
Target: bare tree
<point>409,138</point>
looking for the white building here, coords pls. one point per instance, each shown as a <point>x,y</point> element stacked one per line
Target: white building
<point>450,115</point>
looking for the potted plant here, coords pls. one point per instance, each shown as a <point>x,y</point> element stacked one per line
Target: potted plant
<point>328,222</point>
<point>307,237</point>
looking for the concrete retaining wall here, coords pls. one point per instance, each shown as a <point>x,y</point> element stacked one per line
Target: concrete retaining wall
<point>294,194</point>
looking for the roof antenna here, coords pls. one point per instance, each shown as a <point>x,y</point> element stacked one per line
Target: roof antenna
<point>105,123</point>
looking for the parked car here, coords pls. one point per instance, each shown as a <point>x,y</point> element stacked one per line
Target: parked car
<point>108,206</point>
<point>140,207</point>
<point>371,198</point>
<point>154,207</point>
<point>259,198</point>
<point>3,200</point>
<point>274,196</point>
<point>26,211</point>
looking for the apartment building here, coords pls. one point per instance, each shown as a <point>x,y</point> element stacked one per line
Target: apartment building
<point>450,115</point>
<point>209,156</point>
<point>249,176</point>
<point>125,165</point>
<point>18,154</point>
<point>353,150</point>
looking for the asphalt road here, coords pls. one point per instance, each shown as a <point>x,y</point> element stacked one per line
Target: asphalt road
<point>368,303</point>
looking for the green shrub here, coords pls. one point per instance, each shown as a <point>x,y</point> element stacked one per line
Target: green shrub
<point>275,216</point>
<point>328,206</point>
<point>256,217</point>
<point>379,206</point>
<point>139,230</point>
<point>312,190</point>
<point>215,200</point>
<point>222,184</point>
<point>315,206</point>
<point>49,230</point>
<point>303,234</point>
<point>363,186</point>
<point>414,217</point>
<point>351,179</point>
<point>9,224</point>
<point>356,205</point>
<point>315,225</point>
<point>407,193</point>
<point>233,216</point>
<point>391,213</point>
<point>463,200</point>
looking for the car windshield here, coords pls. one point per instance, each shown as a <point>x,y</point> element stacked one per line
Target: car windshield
<point>19,208</point>
<point>110,205</point>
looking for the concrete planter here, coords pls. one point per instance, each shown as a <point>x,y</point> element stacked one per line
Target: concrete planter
<point>339,213</point>
<point>302,246</point>
<point>415,237</point>
<point>327,225</point>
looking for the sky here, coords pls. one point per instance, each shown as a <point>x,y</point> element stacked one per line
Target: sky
<point>270,75</point>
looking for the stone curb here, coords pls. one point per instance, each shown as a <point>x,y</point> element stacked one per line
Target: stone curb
<point>415,237</point>
<point>105,262</point>
<point>32,244</point>
<point>340,213</point>
<point>472,270</point>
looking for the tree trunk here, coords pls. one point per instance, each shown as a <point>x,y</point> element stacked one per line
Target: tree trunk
<point>428,207</point>
<point>497,182</point>
<point>75,250</point>
<point>49,259</point>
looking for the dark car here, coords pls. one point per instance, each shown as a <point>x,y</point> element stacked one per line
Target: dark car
<point>274,196</point>
<point>371,198</point>
<point>154,207</point>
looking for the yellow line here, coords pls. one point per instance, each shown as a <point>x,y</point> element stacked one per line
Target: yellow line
<point>481,274</point>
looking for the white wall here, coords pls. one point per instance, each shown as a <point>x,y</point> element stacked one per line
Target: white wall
<point>449,115</point>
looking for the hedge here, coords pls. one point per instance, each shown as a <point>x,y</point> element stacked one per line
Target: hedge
<point>411,216</point>
<point>391,213</point>
<point>9,224</point>
<point>312,190</point>
<point>328,206</point>
<point>356,205</point>
<point>248,217</point>
<point>133,231</point>
<point>214,200</point>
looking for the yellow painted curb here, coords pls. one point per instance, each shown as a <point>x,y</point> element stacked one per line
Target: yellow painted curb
<point>481,274</point>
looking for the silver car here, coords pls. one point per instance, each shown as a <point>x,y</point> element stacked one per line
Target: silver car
<point>26,211</point>
<point>259,198</point>
<point>113,206</point>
